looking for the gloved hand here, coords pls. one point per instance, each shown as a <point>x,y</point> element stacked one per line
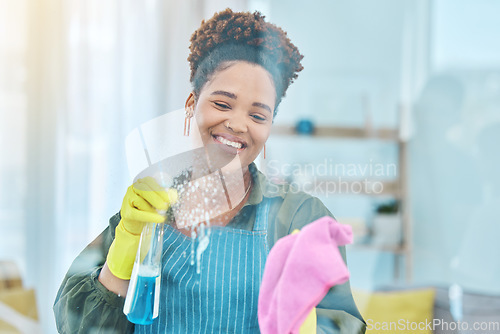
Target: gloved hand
<point>144,202</point>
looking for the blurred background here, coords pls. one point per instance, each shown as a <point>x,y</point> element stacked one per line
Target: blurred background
<point>394,123</point>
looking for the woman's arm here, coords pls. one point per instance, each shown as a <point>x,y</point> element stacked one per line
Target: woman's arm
<point>112,283</point>
<point>83,304</point>
<point>337,312</point>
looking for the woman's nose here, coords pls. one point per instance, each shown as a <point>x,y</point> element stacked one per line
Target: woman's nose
<point>237,124</point>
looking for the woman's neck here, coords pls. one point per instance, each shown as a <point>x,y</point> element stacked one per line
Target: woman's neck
<point>236,193</point>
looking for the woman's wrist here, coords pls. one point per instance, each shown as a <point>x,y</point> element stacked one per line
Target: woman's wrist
<point>112,283</point>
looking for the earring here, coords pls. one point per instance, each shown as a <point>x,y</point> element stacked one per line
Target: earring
<point>264,151</point>
<point>187,122</point>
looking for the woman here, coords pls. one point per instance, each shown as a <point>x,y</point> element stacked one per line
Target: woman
<point>241,67</point>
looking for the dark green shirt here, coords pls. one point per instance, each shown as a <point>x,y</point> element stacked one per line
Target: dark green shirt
<point>84,305</point>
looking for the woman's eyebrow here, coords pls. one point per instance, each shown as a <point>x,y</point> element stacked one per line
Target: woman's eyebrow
<point>223,92</point>
<point>262,105</point>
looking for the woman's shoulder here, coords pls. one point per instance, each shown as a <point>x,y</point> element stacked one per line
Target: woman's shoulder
<point>289,193</point>
<point>302,208</point>
<point>292,208</point>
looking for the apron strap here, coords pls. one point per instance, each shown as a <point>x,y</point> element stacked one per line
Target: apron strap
<point>262,215</point>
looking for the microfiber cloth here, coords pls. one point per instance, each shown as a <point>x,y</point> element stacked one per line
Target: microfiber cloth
<point>299,271</point>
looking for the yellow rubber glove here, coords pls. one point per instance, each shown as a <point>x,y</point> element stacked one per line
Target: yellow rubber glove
<point>309,325</point>
<point>145,202</point>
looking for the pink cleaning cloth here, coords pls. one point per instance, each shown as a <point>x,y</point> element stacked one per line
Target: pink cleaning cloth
<point>299,271</point>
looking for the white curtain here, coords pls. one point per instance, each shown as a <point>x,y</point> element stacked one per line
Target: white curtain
<point>13,120</point>
<point>76,76</point>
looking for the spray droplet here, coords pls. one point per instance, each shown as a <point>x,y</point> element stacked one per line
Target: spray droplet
<point>202,246</point>
<point>193,241</point>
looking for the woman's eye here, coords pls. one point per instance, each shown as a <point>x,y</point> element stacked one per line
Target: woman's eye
<point>221,105</point>
<point>258,117</point>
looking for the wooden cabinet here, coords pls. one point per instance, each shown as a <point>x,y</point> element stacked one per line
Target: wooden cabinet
<point>396,188</point>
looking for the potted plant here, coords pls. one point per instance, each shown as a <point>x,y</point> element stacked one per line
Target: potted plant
<point>387,225</point>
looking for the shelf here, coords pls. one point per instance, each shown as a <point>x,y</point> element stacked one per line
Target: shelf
<point>355,187</point>
<point>339,132</point>
<point>400,250</point>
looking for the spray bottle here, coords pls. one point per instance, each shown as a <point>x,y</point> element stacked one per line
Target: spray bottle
<point>142,301</point>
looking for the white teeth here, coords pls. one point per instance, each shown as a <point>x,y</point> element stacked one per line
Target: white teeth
<point>229,143</point>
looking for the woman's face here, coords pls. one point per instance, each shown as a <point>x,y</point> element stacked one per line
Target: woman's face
<point>234,111</point>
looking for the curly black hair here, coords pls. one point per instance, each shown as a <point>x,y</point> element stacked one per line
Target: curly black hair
<point>230,36</point>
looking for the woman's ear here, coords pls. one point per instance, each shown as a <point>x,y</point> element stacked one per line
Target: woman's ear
<point>190,102</point>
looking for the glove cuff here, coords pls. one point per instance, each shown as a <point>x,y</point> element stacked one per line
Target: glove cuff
<point>121,254</point>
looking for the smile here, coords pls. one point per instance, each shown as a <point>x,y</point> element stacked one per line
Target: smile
<point>230,143</point>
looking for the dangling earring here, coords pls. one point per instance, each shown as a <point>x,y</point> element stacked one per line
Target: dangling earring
<point>264,151</point>
<point>187,122</point>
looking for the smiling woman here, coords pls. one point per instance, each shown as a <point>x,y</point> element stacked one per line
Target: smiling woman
<point>241,67</point>
<point>234,110</point>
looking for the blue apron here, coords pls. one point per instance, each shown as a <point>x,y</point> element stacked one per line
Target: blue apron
<point>223,297</point>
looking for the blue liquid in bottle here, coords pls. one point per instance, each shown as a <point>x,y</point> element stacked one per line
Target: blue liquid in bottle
<point>142,308</point>
<point>142,301</point>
